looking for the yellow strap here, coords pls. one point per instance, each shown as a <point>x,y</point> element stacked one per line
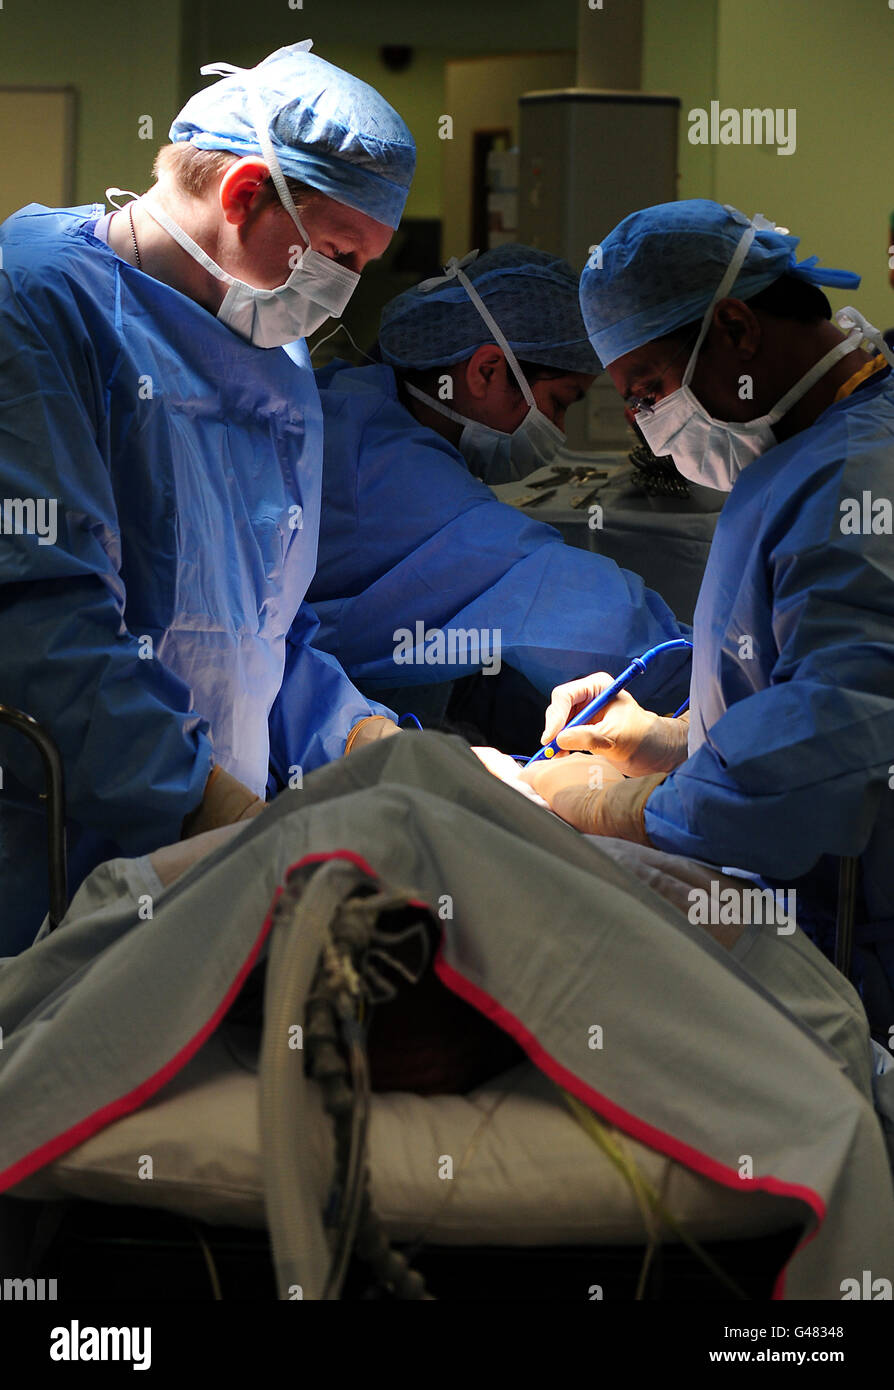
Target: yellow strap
<point>877,364</point>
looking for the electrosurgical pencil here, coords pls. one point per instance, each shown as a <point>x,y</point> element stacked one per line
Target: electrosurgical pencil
<point>636,668</point>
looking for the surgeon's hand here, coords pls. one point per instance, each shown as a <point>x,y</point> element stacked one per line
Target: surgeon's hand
<point>225,802</point>
<point>636,741</point>
<point>567,784</point>
<point>369,730</point>
<point>593,796</point>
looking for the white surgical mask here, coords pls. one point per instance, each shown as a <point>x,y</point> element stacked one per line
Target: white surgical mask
<point>497,456</point>
<point>317,289</point>
<point>714,452</point>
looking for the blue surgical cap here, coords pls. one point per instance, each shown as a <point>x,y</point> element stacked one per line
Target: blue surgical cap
<point>661,267</point>
<point>328,129</point>
<point>531,295</point>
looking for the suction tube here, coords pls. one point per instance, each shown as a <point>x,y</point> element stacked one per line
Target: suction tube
<point>301,1252</point>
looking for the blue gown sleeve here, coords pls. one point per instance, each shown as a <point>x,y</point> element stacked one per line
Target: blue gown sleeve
<point>136,757</point>
<point>407,535</point>
<point>798,769</point>
<point>316,708</point>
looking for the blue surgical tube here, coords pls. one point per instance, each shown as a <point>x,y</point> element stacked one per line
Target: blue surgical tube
<point>636,668</point>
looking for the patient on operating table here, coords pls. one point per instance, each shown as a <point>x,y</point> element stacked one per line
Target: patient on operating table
<point>429,1041</point>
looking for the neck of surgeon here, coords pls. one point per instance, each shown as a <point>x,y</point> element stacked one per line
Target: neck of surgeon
<point>237,224</point>
<point>751,358</point>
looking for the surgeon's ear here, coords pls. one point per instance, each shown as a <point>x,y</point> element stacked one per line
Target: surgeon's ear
<point>740,326</point>
<point>483,370</point>
<point>242,189</point>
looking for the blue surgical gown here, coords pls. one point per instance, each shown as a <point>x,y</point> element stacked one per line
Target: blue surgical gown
<point>791,753</point>
<point>150,637</point>
<point>407,535</point>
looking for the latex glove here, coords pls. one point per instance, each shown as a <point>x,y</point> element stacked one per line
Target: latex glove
<point>634,739</point>
<point>226,801</point>
<point>565,783</point>
<point>590,794</point>
<point>373,727</point>
<point>508,771</point>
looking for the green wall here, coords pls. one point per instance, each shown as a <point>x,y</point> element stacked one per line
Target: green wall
<point>833,64</point>
<point>679,58</point>
<point>123,60</point>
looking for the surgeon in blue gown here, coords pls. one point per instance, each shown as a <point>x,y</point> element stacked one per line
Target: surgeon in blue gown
<point>722,343</point>
<point>175,449</point>
<point>410,530</point>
